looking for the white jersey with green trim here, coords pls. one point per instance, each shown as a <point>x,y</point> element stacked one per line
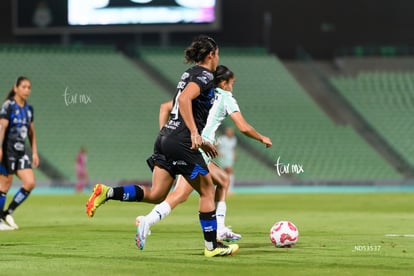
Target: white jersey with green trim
<point>224,104</point>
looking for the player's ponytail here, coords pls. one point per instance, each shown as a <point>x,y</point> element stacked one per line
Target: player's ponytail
<point>10,94</point>
<point>222,73</point>
<point>19,80</point>
<point>199,49</point>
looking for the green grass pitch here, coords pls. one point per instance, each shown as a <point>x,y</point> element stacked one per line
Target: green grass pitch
<point>340,234</point>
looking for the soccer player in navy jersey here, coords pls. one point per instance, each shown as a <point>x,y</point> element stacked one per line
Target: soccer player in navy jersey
<point>16,125</point>
<point>225,105</point>
<point>176,149</point>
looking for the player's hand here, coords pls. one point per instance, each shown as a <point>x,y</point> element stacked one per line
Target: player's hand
<point>1,154</point>
<point>196,141</point>
<point>35,160</point>
<point>267,141</point>
<point>209,149</point>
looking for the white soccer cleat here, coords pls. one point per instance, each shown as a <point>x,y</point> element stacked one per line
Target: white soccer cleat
<point>4,226</point>
<point>10,221</point>
<point>143,230</point>
<point>226,234</point>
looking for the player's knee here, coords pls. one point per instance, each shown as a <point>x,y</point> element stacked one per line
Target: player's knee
<point>30,185</point>
<point>208,192</point>
<point>154,198</point>
<point>6,184</point>
<point>223,181</point>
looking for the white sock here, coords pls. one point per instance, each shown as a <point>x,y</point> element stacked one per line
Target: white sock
<point>221,215</point>
<point>159,212</point>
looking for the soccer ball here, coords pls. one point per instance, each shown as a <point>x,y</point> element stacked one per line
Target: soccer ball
<point>284,234</point>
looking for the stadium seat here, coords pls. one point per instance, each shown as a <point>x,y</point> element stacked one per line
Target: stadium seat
<point>276,105</point>
<point>117,127</point>
<point>386,100</point>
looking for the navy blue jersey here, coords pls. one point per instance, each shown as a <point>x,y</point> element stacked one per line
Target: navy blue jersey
<point>201,105</point>
<point>19,123</point>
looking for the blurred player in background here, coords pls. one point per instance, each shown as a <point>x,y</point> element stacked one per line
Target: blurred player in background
<point>226,145</point>
<point>81,170</point>
<point>176,148</point>
<point>224,105</point>
<point>16,124</point>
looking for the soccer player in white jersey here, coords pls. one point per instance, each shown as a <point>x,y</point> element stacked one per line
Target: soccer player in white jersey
<point>224,104</point>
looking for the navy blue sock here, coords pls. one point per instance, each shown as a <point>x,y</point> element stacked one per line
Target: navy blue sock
<point>128,193</point>
<point>18,199</point>
<point>208,223</point>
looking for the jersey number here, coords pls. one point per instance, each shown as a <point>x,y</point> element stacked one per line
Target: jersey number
<point>174,110</point>
<point>22,163</point>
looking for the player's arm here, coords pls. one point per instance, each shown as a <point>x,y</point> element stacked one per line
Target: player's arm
<point>4,123</point>
<point>248,130</point>
<point>190,92</point>
<point>32,139</point>
<point>165,110</point>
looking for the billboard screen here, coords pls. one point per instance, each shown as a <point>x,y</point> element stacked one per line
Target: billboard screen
<point>120,12</point>
<point>108,16</point>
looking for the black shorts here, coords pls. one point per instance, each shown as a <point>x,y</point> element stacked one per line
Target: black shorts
<point>177,157</point>
<point>11,163</point>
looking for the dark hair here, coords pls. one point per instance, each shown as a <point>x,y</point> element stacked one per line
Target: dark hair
<point>18,82</point>
<point>222,73</point>
<point>199,49</point>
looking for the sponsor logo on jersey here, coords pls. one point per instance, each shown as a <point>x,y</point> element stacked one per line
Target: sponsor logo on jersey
<point>179,163</point>
<point>173,124</point>
<point>19,121</point>
<point>203,79</point>
<point>23,132</point>
<point>19,146</point>
<point>208,75</point>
